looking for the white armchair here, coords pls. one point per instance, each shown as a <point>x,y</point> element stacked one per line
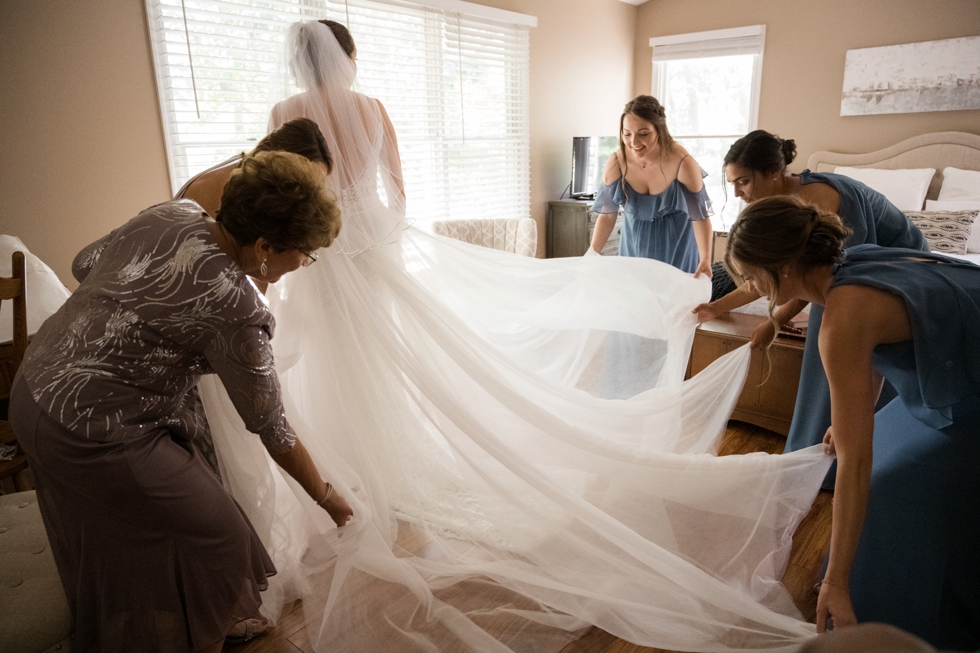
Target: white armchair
<point>517,235</point>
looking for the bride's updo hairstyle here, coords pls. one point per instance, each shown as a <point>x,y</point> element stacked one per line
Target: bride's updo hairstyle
<point>762,152</point>
<point>279,196</point>
<point>774,232</point>
<point>314,58</point>
<point>342,34</point>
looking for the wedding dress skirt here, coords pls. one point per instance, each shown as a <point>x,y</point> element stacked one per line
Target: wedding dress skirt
<point>458,398</point>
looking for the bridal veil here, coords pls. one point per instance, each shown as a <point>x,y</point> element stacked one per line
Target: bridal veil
<point>459,398</point>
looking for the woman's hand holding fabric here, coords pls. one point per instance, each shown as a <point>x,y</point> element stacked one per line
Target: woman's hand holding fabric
<point>706,312</point>
<point>336,506</point>
<point>828,442</point>
<point>704,269</point>
<point>834,603</point>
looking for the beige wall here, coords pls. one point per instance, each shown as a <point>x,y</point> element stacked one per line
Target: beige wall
<point>581,76</point>
<point>803,66</point>
<point>81,144</point>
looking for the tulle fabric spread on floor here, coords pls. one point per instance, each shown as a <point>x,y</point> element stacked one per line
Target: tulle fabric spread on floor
<point>458,397</point>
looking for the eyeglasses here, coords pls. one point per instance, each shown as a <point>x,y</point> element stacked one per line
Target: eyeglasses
<point>311,258</point>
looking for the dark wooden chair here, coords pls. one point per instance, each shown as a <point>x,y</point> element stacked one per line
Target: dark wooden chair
<point>14,288</point>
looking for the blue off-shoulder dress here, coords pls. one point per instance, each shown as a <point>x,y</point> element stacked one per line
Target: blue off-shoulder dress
<point>918,560</point>
<point>657,226</point>
<point>872,219</point>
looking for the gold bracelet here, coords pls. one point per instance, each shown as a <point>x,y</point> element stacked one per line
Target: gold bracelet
<point>326,495</point>
<point>837,585</point>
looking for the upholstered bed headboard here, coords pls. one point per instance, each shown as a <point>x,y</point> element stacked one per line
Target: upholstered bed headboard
<point>936,150</point>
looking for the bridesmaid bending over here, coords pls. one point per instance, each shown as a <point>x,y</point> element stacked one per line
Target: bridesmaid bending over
<point>905,539</point>
<point>756,167</point>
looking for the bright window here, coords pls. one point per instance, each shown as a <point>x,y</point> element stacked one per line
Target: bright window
<point>452,75</point>
<point>709,85</point>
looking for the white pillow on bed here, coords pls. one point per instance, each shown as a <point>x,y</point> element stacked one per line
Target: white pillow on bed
<point>960,185</point>
<point>973,244</point>
<point>905,188</point>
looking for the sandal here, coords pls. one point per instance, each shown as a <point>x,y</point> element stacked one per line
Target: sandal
<point>250,632</point>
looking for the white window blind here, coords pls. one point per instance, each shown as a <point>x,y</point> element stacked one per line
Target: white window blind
<point>709,84</point>
<point>453,76</point>
<point>716,43</point>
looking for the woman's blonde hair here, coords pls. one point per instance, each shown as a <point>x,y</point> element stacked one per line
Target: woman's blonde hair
<point>781,231</point>
<point>279,196</point>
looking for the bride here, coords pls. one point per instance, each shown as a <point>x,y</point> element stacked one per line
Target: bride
<point>451,393</point>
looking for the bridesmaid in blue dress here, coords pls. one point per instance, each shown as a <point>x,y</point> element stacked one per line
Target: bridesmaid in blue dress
<point>756,167</point>
<point>906,534</point>
<point>660,187</point>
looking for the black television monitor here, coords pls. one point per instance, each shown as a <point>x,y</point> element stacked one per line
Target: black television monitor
<point>589,155</point>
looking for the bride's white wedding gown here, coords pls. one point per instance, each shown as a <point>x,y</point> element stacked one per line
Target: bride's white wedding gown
<point>452,394</point>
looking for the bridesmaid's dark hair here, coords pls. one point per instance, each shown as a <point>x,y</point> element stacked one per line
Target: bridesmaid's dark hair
<point>300,136</point>
<point>774,232</point>
<point>645,107</point>
<point>762,152</point>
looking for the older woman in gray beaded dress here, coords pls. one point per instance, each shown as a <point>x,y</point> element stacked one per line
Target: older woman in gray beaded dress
<point>300,136</point>
<point>153,553</point>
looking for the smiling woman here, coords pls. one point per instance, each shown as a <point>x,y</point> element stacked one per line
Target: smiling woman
<point>660,188</point>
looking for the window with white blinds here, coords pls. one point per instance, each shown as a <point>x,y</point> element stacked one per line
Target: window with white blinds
<point>708,83</point>
<point>452,75</point>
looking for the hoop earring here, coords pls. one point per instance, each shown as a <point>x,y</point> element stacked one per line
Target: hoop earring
<point>263,270</point>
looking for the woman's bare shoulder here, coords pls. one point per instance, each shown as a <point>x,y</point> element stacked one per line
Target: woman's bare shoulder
<point>821,195</point>
<point>613,169</point>
<point>858,312</point>
<point>678,152</point>
<point>688,170</point>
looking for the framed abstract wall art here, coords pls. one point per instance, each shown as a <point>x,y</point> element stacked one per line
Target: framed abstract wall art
<point>912,77</point>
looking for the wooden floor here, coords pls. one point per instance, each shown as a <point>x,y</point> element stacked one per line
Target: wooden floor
<point>809,548</point>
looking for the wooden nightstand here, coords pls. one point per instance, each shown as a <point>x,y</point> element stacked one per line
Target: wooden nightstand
<point>770,404</point>
<point>569,229</point>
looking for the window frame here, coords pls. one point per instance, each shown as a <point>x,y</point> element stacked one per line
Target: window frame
<point>704,45</point>
<point>748,40</point>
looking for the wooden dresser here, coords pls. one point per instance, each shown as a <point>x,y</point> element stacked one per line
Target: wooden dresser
<point>569,229</point>
<point>769,395</point>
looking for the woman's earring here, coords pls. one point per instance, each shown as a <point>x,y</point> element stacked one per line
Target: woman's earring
<point>263,270</point>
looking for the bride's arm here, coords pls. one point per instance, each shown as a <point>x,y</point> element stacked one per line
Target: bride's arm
<point>393,159</point>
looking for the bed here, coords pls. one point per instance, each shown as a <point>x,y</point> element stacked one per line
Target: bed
<point>935,150</point>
